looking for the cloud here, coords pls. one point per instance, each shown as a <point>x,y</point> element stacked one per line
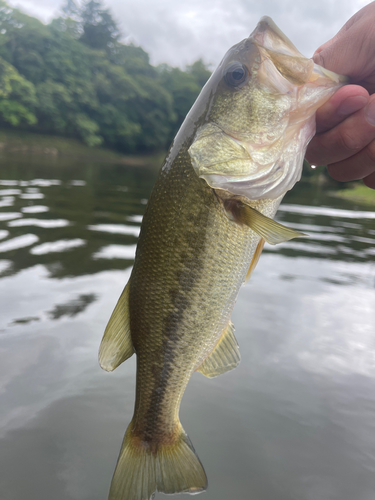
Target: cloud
<point>181,32</point>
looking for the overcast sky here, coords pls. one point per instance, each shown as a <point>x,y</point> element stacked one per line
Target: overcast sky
<point>179,32</point>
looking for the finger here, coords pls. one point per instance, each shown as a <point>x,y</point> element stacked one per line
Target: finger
<point>346,139</point>
<point>351,51</point>
<point>316,57</point>
<point>369,181</point>
<point>343,103</point>
<point>359,166</point>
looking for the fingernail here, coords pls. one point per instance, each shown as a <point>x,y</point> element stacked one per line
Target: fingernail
<point>352,104</point>
<point>370,113</point>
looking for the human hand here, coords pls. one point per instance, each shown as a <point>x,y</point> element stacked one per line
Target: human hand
<point>345,139</point>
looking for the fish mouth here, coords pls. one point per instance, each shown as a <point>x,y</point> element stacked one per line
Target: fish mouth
<point>300,70</point>
<point>269,35</point>
<point>260,156</point>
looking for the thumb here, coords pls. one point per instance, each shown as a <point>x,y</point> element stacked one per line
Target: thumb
<point>316,56</point>
<point>335,55</point>
<point>351,51</point>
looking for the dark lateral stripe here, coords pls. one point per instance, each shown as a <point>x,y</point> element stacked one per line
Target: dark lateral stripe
<point>188,262</point>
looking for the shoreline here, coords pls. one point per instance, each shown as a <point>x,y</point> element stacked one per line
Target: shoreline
<point>30,143</point>
<point>358,193</point>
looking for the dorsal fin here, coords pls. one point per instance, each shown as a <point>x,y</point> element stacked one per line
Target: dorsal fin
<point>116,345</point>
<point>224,357</point>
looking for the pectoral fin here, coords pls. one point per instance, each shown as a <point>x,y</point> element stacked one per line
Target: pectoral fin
<point>273,232</point>
<point>224,357</point>
<point>116,345</point>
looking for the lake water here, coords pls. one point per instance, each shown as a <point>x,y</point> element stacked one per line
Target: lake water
<point>296,419</point>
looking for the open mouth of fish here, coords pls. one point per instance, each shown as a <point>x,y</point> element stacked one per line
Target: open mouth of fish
<point>265,160</point>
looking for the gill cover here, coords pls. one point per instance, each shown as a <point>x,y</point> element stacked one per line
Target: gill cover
<point>261,116</point>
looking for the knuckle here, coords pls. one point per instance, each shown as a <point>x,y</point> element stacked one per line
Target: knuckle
<point>370,151</point>
<point>350,142</point>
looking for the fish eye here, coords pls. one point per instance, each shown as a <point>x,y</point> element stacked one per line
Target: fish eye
<point>235,74</point>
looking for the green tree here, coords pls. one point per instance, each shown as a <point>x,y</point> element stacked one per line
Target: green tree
<point>17,97</point>
<point>99,28</point>
<point>184,90</point>
<point>74,78</point>
<point>71,10</point>
<point>199,71</point>
<point>53,102</point>
<point>134,60</point>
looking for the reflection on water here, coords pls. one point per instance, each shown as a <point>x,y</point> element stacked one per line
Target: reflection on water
<point>116,228</point>
<point>57,246</point>
<point>295,421</point>
<point>73,307</point>
<point>18,242</point>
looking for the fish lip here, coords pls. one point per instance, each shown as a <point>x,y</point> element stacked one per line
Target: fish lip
<point>269,35</point>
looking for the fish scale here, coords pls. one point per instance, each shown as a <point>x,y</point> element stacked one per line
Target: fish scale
<point>238,151</point>
<point>198,285</point>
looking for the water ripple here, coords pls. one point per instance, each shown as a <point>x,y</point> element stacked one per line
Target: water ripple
<point>57,246</point>
<point>45,223</point>
<point>315,228</point>
<point>302,247</point>
<point>78,183</point>
<point>331,212</point>
<point>44,182</point>
<point>10,192</point>
<point>35,209</point>
<point>116,252</point>
<point>8,183</point>
<point>135,218</point>
<point>9,215</point>
<point>4,265</point>
<point>25,240</point>
<point>7,201</point>
<point>32,196</point>
<point>115,229</point>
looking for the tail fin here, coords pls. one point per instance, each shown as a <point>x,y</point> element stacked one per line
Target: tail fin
<point>173,468</point>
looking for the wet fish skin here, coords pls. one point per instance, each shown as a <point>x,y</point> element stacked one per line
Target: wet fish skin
<point>195,274</point>
<point>201,236</point>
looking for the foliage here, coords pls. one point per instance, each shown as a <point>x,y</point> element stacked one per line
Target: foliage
<point>199,71</point>
<point>357,193</point>
<point>75,78</point>
<point>184,86</point>
<point>17,97</point>
<point>99,29</point>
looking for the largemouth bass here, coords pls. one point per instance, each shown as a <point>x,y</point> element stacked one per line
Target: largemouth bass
<point>239,150</point>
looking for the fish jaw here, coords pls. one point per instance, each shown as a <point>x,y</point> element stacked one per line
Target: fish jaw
<point>254,138</point>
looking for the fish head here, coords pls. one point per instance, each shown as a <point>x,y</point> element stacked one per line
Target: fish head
<point>260,106</point>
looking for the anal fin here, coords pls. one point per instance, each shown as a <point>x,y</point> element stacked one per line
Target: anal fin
<point>116,345</point>
<point>225,356</point>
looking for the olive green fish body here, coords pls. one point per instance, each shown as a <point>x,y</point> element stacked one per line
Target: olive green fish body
<point>190,263</point>
<point>238,151</point>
